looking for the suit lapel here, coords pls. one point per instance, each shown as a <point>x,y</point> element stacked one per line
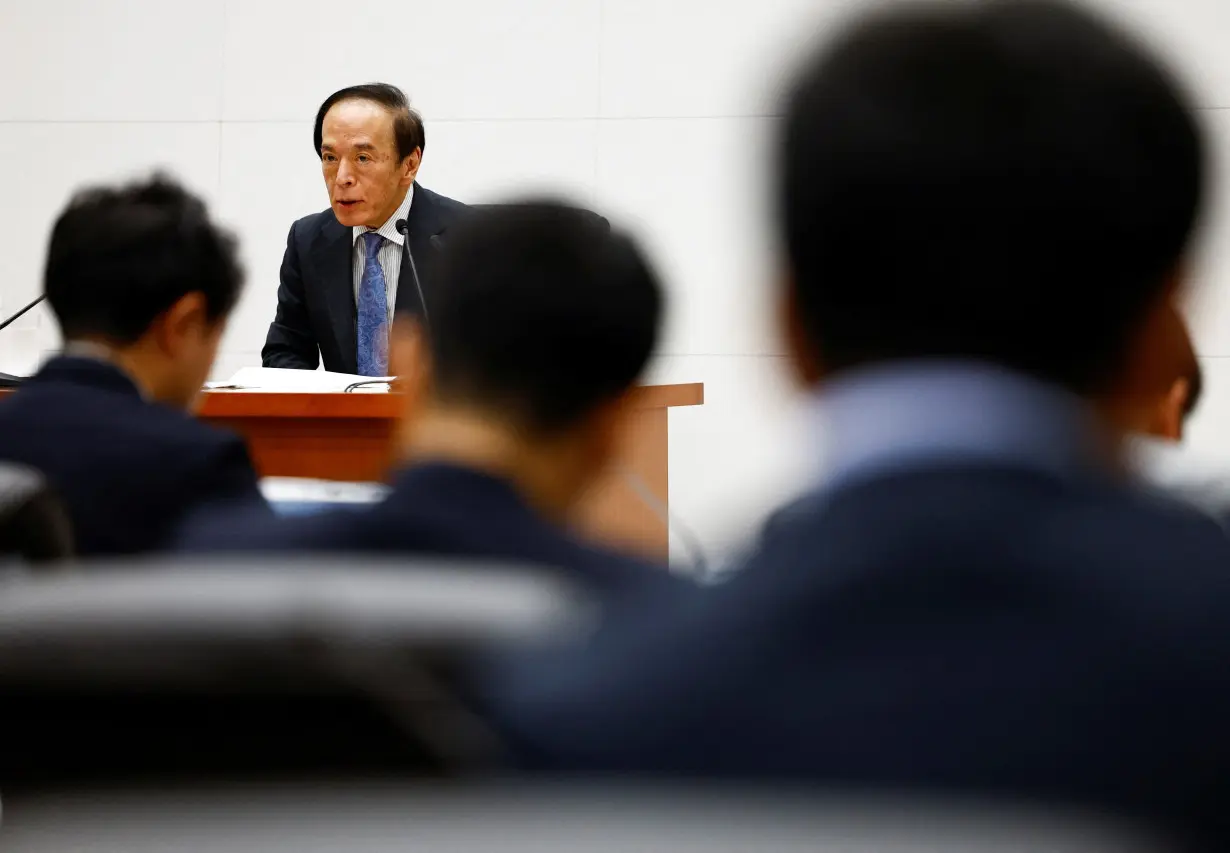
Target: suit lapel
<point>422,224</point>
<point>331,254</point>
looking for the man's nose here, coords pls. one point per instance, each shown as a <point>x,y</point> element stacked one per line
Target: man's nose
<point>345,177</point>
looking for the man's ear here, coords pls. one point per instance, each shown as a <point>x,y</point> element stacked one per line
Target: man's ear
<point>1171,411</point>
<point>800,350</point>
<point>185,317</point>
<point>409,353</point>
<point>410,363</point>
<point>609,425</point>
<point>410,167</point>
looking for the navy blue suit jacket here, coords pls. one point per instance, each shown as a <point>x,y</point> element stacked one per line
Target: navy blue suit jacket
<point>130,471</point>
<point>981,629</point>
<point>436,509</point>
<point>316,305</point>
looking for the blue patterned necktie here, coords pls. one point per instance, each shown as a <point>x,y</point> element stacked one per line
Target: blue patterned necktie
<point>373,337</point>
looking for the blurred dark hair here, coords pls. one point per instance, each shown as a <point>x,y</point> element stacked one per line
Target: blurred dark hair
<point>121,256</point>
<point>408,127</point>
<point>538,310</point>
<point>1010,181</point>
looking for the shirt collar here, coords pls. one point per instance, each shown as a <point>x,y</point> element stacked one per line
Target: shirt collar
<point>95,352</point>
<point>880,419</point>
<point>389,229</point>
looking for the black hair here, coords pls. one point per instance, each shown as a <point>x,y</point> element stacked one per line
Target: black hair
<point>1012,181</point>
<point>408,127</point>
<point>540,311</point>
<point>121,256</point>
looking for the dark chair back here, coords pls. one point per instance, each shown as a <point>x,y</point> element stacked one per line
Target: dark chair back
<point>160,673</point>
<point>345,815</point>
<point>34,525</point>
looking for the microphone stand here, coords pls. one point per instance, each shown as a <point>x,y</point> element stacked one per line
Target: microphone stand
<point>7,380</point>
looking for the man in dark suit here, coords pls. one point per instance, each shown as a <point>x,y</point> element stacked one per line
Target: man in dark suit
<point>541,321</point>
<point>985,206</point>
<point>347,270</point>
<point>141,283</point>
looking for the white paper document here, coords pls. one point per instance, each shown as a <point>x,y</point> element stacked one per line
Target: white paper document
<point>298,381</point>
<point>301,490</point>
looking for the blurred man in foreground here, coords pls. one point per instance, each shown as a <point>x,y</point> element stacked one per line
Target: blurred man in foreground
<point>517,393</point>
<point>141,283</point>
<point>985,205</point>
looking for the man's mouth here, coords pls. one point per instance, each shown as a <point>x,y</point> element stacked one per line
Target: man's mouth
<point>347,203</point>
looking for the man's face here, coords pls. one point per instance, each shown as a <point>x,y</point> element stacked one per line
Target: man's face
<point>365,178</point>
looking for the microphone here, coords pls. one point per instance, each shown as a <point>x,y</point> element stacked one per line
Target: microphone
<point>22,312</point>
<point>7,381</point>
<point>402,228</point>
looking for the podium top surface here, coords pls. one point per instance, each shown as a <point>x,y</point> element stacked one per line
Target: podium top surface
<point>277,404</point>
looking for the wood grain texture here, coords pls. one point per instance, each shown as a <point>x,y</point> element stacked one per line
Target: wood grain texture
<point>222,404</point>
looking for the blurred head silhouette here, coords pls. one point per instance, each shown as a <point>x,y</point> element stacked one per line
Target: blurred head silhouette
<point>540,321</point>
<point>142,274</point>
<point>1011,181</point>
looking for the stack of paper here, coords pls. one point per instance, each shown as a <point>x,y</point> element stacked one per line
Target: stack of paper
<point>298,381</point>
<point>304,490</point>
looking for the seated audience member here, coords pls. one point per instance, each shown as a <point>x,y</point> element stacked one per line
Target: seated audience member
<point>141,283</point>
<point>540,320</point>
<point>984,205</point>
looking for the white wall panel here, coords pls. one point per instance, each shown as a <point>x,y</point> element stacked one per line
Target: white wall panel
<point>695,191</point>
<point>457,59</point>
<point>673,58</point>
<point>111,60</point>
<point>81,154</point>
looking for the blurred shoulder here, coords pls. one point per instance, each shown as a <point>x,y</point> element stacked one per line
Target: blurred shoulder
<point>239,529</point>
<point>448,209</point>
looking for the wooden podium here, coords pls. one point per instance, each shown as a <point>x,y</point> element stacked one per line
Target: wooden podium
<point>350,437</point>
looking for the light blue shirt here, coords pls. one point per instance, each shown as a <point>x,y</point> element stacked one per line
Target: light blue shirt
<point>885,419</point>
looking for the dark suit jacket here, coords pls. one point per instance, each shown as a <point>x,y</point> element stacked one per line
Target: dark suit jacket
<point>987,630</point>
<point>316,307</point>
<point>129,471</point>
<point>435,509</point>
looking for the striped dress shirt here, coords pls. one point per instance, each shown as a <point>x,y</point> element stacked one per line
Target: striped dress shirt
<point>390,253</point>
